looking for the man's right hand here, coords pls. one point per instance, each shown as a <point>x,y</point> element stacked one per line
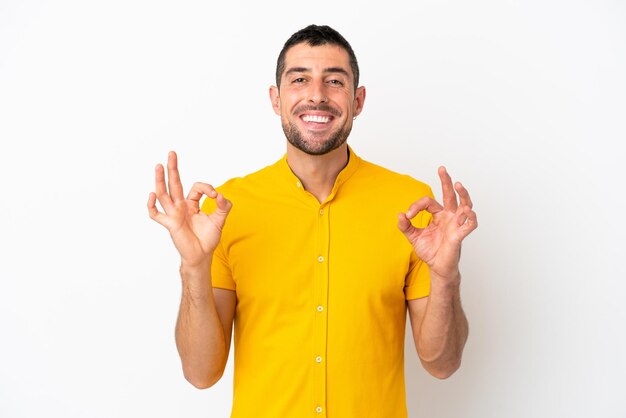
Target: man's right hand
<point>195,234</point>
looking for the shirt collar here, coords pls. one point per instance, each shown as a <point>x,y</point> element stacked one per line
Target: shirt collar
<point>354,162</point>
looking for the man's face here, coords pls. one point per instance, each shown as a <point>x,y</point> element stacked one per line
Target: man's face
<point>316,101</point>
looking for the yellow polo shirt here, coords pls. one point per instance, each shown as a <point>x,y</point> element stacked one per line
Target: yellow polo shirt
<point>321,289</point>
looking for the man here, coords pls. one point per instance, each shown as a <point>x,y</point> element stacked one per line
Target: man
<point>314,264</point>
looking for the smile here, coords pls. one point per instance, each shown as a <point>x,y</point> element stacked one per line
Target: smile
<point>316,118</point>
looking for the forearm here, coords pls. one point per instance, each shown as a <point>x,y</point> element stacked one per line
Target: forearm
<point>199,333</point>
<point>444,328</point>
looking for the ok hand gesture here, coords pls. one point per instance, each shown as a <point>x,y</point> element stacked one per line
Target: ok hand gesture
<point>439,244</point>
<point>194,233</point>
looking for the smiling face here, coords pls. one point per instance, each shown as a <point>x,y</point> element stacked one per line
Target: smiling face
<point>317,100</point>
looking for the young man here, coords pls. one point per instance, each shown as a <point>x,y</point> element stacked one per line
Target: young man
<point>314,260</point>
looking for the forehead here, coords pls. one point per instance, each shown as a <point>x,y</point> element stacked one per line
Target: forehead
<point>317,57</point>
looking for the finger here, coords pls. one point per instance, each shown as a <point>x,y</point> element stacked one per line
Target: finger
<point>425,203</point>
<point>221,212</point>
<point>152,209</point>
<point>200,189</point>
<point>471,223</point>
<point>449,197</point>
<point>173,177</point>
<point>223,205</point>
<point>161,190</point>
<point>466,220</point>
<point>463,195</point>
<point>460,216</point>
<point>407,228</point>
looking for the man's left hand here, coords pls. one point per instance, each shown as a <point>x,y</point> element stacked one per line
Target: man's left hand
<point>439,244</point>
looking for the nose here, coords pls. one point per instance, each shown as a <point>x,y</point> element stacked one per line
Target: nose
<point>317,92</point>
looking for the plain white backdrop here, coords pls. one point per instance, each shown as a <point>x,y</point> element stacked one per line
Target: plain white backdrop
<point>522,101</point>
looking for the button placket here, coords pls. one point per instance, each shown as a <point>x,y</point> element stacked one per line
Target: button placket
<point>320,305</point>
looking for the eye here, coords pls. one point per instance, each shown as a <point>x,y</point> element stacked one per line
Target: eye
<point>298,80</point>
<point>336,82</point>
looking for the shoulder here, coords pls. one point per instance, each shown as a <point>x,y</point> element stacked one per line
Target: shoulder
<point>250,181</point>
<point>238,188</point>
<point>379,177</point>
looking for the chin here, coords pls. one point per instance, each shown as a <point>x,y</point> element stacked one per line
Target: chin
<point>316,148</point>
<point>313,147</point>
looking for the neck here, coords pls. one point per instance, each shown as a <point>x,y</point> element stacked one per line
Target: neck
<point>317,173</point>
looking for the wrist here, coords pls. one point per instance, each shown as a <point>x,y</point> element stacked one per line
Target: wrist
<point>196,277</point>
<point>449,280</point>
<point>196,266</point>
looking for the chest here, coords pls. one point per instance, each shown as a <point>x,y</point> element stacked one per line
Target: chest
<point>292,252</point>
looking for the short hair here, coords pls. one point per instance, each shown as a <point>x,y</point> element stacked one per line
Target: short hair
<point>315,35</point>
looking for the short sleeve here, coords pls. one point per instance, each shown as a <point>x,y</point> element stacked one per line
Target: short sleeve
<point>417,281</point>
<point>221,274</point>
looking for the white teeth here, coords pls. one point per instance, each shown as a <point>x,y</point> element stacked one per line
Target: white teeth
<point>315,118</point>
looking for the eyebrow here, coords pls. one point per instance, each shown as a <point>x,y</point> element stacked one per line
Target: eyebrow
<point>326,70</point>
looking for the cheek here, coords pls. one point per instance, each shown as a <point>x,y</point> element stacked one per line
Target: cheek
<point>291,99</point>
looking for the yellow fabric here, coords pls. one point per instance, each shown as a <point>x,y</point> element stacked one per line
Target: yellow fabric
<point>321,288</point>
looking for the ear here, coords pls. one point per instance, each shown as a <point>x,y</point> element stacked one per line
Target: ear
<point>275,99</point>
<point>359,100</point>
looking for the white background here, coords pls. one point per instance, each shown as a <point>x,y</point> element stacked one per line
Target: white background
<point>522,101</point>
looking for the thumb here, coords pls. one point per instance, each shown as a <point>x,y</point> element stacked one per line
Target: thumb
<point>223,208</point>
<point>405,225</point>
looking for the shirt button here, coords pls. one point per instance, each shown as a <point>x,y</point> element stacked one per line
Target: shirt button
<point>318,409</point>
<point>320,259</point>
<point>320,308</point>
<point>298,184</point>
<point>321,211</point>
<point>318,359</point>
